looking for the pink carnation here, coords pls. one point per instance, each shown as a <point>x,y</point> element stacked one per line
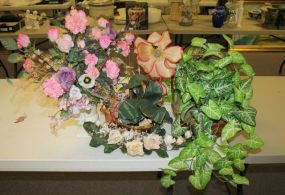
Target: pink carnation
<point>76,21</point>
<point>92,71</point>
<point>123,45</point>
<point>29,65</point>
<point>81,44</point>
<point>53,34</point>
<point>112,69</point>
<point>52,88</point>
<point>96,33</point>
<point>65,43</point>
<point>130,37</point>
<point>23,41</point>
<point>103,22</point>
<point>105,41</point>
<point>90,59</point>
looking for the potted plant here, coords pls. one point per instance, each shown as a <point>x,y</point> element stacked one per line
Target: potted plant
<point>212,89</point>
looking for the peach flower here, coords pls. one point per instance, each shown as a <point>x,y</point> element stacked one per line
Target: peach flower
<point>29,65</point>
<point>155,57</point>
<point>152,141</point>
<point>76,21</point>
<point>115,137</point>
<point>135,148</point>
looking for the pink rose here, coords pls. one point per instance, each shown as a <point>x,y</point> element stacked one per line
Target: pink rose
<point>92,71</point>
<point>23,41</point>
<point>65,43</point>
<point>112,69</point>
<point>76,21</point>
<point>123,45</point>
<point>52,88</point>
<point>152,142</point>
<point>53,34</point>
<point>90,59</point>
<point>81,44</point>
<point>29,65</point>
<point>105,41</point>
<point>103,22</point>
<point>96,33</point>
<point>130,37</point>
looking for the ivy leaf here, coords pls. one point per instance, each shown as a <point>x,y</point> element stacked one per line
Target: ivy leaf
<point>110,148</point>
<point>221,87</point>
<point>190,151</point>
<point>176,129</point>
<point>239,164</point>
<point>199,162</point>
<point>201,179</point>
<point>226,107</point>
<point>169,172</point>
<point>179,164</point>
<point>239,95</point>
<point>213,53</point>
<point>221,63</point>
<point>226,171</point>
<point>249,129</point>
<point>223,163</point>
<point>212,110</point>
<point>229,40</point>
<point>186,97</point>
<point>240,179</point>
<point>15,58</point>
<point>254,142</point>
<point>247,69</point>
<point>236,152</point>
<point>9,43</point>
<point>166,181</point>
<point>237,57</point>
<point>196,91</point>
<point>230,130</point>
<point>90,127</point>
<point>186,57</point>
<point>215,46</point>
<point>198,42</point>
<point>97,141</point>
<point>236,79</point>
<point>161,153</point>
<point>247,115</point>
<point>213,156</point>
<point>204,141</point>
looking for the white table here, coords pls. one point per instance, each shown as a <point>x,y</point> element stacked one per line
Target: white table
<point>30,145</point>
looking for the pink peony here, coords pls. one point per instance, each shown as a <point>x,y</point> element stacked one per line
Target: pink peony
<point>124,46</point>
<point>81,44</point>
<point>90,59</point>
<point>76,21</point>
<point>96,33</point>
<point>23,41</point>
<point>112,69</point>
<point>29,65</point>
<point>105,41</point>
<point>130,37</point>
<point>92,71</point>
<point>65,43</point>
<point>53,34</point>
<point>52,88</point>
<point>103,22</point>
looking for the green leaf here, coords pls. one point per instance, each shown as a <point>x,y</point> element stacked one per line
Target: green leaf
<point>199,162</point>
<point>188,152</point>
<point>136,81</point>
<point>239,95</point>
<point>53,52</point>
<point>229,40</point>
<point>129,112</point>
<point>97,141</point>
<point>247,69</point>
<point>223,163</point>
<point>166,181</point>
<point>204,141</point>
<point>201,179</point>
<point>247,115</point>
<point>237,57</point>
<point>198,42</point>
<point>110,148</point>
<point>176,129</point>
<point>9,43</point>
<point>215,46</point>
<point>236,79</point>
<point>186,57</point>
<point>236,152</point>
<point>249,129</point>
<point>161,153</point>
<point>254,142</point>
<point>226,171</point>
<point>186,97</point>
<point>230,130</point>
<point>196,91</point>
<point>169,172</point>
<point>213,53</point>
<point>239,164</point>
<point>212,110</point>
<point>221,87</point>
<point>15,58</point>
<point>155,113</point>
<point>153,92</point>
<point>240,179</point>
<point>221,63</point>
<point>226,107</point>
<point>90,127</point>
<point>179,164</point>
<point>213,156</point>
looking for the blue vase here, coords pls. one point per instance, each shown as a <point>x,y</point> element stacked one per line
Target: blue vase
<point>218,17</point>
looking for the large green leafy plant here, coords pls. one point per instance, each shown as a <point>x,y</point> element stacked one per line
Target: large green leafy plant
<point>212,88</point>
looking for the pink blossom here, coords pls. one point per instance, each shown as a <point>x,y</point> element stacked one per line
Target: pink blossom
<point>85,52</point>
<point>23,41</point>
<point>103,22</point>
<point>53,34</point>
<point>76,21</point>
<point>130,37</point>
<point>65,43</point>
<point>90,59</point>
<point>112,69</point>
<point>92,71</point>
<point>29,65</point>
<point>96,33</point>
<point>123,45</point>
<point>52,88</point>
<point>81,44</point>
<point>105,41</point>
